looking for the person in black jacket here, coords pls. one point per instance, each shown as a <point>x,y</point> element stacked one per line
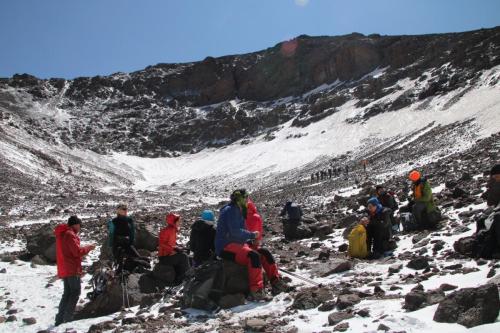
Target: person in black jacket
<point>379,228</point>
<point>488,233</point>
<point>388,200</point>
<point>202,238</point>
<point>121,231</point>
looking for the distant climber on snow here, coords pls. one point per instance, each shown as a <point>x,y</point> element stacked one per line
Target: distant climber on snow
<point>69,256</point>
<point>202,238</point>
<point>168,252</point>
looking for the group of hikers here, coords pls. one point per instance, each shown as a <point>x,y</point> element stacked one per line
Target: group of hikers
<point>371,237</point>
<point>237,236</point>
<point>334,171</point>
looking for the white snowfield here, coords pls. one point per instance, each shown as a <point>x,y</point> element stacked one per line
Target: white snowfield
<point>329,137</point>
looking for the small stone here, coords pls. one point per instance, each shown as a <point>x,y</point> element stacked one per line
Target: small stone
<point>327,306</point>
<point>418,263</point>
<point>29,321</point>
<point>11,318</point>
<point>342,327</point>
<point>336,317</point>
<point>12,311</point>
<point>378,290</point>
<point>447,287</point>
<point>491,273</point>
<point>256,324</point>
<point>395,268</point>
<point>3,270</point>
<point>363,313</point>
<point>2,319</point>
<point>383,327</point>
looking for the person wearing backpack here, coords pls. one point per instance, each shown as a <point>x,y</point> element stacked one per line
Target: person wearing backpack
<point>358,246</point>
<point>388,200</point>
<point>424,209</point>
<point>379,228</point>
<point>168,252</point>
<point>293,214</point>
<point>69,256</point>
<point>202,238</point>
<point>253,223</point>
<point>487,236</point>
<point>121,233</point>
<point>231,242</point>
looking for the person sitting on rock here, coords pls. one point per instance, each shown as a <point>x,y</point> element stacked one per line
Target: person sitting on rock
<point>168,252</point>
<point>379,228</point>
<point>423,207</point>
<point>69,256</point>
<point>358,242</point>
<point>253,223</point>
<point>488,233</point>
<point>231,242</point>
<point>202,238</point>
<point>121,231</point>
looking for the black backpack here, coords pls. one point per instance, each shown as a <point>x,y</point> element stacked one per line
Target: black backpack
<point>204,288</point>
<point>294,212</point>
<point>408,221</point>
<point>99,282</point>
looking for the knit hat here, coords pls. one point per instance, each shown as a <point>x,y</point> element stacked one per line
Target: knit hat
<point>208,215</point>
<point>414,176</point>
<point>74,220</point>
<point>373,201</point>
<point>495,170</point>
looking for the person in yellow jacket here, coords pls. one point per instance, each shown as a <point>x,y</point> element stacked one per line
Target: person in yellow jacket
<point>358,247</point>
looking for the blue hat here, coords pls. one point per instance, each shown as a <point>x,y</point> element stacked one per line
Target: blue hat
<point>208,215</point>
<point>374,201</point>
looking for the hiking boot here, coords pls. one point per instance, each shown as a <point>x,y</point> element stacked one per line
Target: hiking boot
<point>278,286</point>
<point>258,296</point>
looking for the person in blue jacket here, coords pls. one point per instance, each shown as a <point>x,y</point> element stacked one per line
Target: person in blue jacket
<point>231,240</point>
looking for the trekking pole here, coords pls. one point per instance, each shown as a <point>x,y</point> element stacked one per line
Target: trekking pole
<point>300,277</point>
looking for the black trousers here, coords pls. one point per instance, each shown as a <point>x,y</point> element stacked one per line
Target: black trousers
<point>180,262</point>
<point>72,290</point>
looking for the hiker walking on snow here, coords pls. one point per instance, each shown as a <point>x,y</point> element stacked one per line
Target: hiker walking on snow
<point>202,238</point>
<point>69,255</point>
<point>231,242</point>
<point>168,252</point>
<point>121,231</point>
<point>253,223</point>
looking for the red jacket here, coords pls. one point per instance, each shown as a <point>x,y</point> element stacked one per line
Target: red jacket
<point>253,222</point>
<point>68,252</point>
<point>168,236</point>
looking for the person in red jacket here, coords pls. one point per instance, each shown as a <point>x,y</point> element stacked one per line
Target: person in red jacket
<point>168,252</point>
<point>69,255</point>
<point>253,222</point>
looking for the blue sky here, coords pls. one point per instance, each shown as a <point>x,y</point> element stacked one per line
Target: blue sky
<point>70,38</point>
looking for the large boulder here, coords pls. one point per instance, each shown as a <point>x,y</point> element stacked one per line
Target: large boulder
<point>42,241</point>
<point>235,278</point>
<point>464,245</point>
<point>146,237</point>
<point>161,277</point>
<point>470,306</point>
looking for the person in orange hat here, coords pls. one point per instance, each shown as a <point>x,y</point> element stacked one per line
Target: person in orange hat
<point>423,201</point>
<point>168,252</point>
